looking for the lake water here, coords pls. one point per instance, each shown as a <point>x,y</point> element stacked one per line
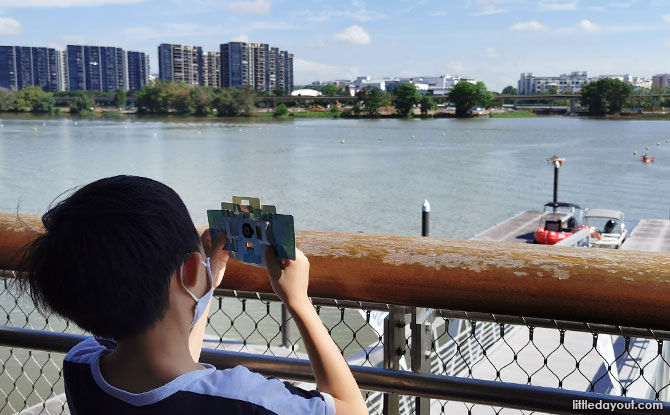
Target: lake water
<point>475,173</point>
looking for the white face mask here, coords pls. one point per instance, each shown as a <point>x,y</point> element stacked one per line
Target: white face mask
<point>202,302</point>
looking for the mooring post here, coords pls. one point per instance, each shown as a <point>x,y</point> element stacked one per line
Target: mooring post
<point>425,218</point>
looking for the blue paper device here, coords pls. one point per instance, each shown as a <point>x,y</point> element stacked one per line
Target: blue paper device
<point>249,227</point>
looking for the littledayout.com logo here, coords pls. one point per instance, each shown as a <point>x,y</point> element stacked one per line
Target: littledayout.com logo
<point>584,405</point>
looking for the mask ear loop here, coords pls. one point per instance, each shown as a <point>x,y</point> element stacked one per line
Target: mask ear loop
<point>181,280</point>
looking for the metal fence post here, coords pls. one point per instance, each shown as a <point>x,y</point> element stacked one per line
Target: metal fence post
<point>422,336</point>
<point>394,349</point>
<point>285,327</point>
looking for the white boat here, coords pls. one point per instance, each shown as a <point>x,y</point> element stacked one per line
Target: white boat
<point>607,228</point>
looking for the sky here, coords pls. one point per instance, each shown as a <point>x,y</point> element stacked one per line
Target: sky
<point>490,40</point>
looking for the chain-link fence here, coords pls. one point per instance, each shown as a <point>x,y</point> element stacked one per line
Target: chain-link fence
<point>536,352</point>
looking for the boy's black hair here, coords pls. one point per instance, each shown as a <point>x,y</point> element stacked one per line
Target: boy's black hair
<point>109,250</point>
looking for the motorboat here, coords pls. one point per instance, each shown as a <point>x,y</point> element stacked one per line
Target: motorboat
<point>559,220</point>
<point>607,228</point>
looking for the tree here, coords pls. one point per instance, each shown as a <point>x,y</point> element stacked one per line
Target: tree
<point>82,104</point>
<point>279,92</point>
<point>7,100</point>
<point>606,96</point>
<point>120,98</point>
<point>405,97</point>
<point>335,111</point>
<point>281,111</point>
<point>224,103</point>
<point>244,100</point>
<point>179,94</point>
<point>427,104</point>
<point>201,101</point>
<point>153,97</point>
<point>466,95</point>
<point>329,90</point>
<point>33,99</point>
<point>372,99</point>
<point>509,90</point>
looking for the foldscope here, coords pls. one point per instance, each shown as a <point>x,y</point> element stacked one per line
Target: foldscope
<point>249,227</point>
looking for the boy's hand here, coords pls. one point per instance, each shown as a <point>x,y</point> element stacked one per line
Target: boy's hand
<point>289,278</point>
<point>218,257</point>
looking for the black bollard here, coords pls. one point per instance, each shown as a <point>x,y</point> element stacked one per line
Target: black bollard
<point>425,218</point>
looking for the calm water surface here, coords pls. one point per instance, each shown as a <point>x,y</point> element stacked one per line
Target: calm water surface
<point>475,173</point>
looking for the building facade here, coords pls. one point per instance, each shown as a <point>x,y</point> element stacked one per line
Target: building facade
<point>258,65</point>
<point>178,63</point>
<point>96,68</point>
<point>661,81</point>
<point>22,66</point>
<point>566,83</point>
<point>138,70</point>
<point>212,69</point>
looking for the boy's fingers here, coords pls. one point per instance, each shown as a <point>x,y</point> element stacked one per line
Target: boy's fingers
<point>273,261</point>
<point>220,241</point>
<point>206,240</point>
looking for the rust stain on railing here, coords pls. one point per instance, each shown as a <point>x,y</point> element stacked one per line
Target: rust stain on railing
<point>599,286</point>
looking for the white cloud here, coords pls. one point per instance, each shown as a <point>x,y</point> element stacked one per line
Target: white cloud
<point>589,26</point>
<point>553,5</point>
<point>355,35</point>
<point>240,38</point>
<point>174,31</point>
<point>9,26</point>
<point>490,53</point>
<point>359,12</point>
<point>667,43</point>
<point>308,71</point>
<point>64,3</point>
<point>438,13</point>
<point>666,18</point>
<point>249,6</point>
<point>530,25</point>
<point>488,7</point>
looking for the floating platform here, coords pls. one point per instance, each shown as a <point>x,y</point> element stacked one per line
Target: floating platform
<point>652,235</point>
<point>518,229</point>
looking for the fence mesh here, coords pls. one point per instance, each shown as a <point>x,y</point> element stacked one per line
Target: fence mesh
<point>584,360</point>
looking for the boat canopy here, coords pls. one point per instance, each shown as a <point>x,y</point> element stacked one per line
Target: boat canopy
<point>604,213</point>
<point>562,204</point>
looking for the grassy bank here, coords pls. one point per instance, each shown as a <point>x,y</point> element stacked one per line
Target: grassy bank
<point>513,114</point>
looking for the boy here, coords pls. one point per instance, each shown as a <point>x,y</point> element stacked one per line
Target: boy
<point>122,259</point>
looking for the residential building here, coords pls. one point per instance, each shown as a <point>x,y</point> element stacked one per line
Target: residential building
<point>636,81</point>
<point>96,68</point>
<point>138,70</point>
<point>22,66</point>
<point>258,65</point>
<point>212,69</point>
<point>661,81</point>
<point>179,63</point>
<point>565,83</point>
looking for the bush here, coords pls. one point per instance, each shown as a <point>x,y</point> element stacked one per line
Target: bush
<point>33,99</point>
<point>82,104</point>
<point>335,111</point>
<point>281,111</point>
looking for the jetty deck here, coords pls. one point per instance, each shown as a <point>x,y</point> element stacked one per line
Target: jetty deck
<point>519,229</point>
<point>651,235</point>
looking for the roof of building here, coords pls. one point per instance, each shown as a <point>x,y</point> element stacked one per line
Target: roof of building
<point>306,93</point>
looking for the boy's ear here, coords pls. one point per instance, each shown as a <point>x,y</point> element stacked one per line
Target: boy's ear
<point>192,264</point>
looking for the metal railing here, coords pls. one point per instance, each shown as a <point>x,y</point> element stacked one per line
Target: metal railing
<point>485,359</point>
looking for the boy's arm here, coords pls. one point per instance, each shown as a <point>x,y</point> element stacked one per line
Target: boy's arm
<point>289,281</point>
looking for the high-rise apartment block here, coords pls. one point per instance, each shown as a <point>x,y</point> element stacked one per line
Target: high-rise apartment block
<point>22,66</point>
<point>661,81</point>
<point>256,64</point>
<point>179,63</point>
<point>96,68</point>
<point>212,69</point>
<point>567,83</point>
<point>138,70</point>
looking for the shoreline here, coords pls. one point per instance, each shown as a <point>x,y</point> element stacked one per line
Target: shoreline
<point>294,115</point>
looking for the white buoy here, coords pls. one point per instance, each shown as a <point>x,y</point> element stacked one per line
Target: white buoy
<point>341,141</point>
<point>646,148</point>
<point>76,123</point>
<point>635,153</point>
<point>443,134</point>
<point>44,123</point>
<point>467,132</point>
<point>155,135</point>
<point>658,143</point>
<point>2,125</point>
